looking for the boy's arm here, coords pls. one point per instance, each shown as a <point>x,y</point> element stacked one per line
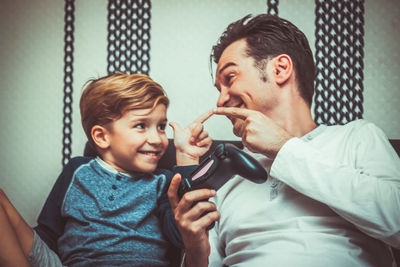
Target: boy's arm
<point>192,142</point>
<point>50,222</point>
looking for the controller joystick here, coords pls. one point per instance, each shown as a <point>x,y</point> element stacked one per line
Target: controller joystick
<point>219,167</point>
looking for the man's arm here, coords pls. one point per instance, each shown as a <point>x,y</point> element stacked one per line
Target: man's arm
<point>191,224</point>
<point>365,192</point>
<point>170,229</point>
<point>364,189</point>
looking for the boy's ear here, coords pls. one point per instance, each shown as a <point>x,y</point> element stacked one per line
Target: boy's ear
<point>283,68</point>
<point>100,136</point>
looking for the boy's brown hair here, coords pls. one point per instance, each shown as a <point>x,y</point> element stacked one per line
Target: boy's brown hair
<point>106,99</point>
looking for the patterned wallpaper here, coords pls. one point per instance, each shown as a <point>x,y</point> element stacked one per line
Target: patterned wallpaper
<point>182,33</point>
<point>382,65</point>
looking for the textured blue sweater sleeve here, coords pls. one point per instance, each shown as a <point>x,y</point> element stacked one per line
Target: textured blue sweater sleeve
<point>50,222</point>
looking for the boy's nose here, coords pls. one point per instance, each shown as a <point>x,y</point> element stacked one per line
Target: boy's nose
<point>153,137</point>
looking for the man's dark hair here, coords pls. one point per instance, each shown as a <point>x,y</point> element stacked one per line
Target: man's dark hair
<point>268,36</point>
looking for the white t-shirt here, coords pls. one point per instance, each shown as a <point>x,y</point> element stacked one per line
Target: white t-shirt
<point>332,199</point>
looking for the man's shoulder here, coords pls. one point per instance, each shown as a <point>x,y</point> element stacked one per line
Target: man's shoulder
<point>355,127</point>
<point>362,128</point>
<point>359,123</point>
<point>354,135</point>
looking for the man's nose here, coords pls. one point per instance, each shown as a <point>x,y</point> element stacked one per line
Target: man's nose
<point>223,98</point>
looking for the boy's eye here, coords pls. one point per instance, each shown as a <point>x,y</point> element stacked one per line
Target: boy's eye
<point>162,126</point>
<point>139,126</point>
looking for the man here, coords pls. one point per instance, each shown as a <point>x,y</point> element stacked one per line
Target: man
<point>333,193</point>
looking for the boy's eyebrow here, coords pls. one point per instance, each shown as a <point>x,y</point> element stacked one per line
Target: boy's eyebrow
<point>145,118</point>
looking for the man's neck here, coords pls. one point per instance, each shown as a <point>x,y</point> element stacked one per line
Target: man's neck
<point>300,125</point>
<point>295,117</point>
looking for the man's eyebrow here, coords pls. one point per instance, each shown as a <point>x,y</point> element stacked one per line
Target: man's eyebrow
<point>222,69</point>
<point>225,66</point>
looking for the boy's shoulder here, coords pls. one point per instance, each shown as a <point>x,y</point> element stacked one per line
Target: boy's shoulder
<point>75,162</point>
<point>79,160</point>
<point>166,172</point>
<point>72,165</point>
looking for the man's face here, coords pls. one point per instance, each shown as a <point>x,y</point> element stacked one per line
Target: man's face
<point>241,83</point>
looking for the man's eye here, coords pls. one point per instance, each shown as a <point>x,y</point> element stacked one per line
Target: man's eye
<point>228,78</point>
<point>139,126</point>
<point>162,126</point>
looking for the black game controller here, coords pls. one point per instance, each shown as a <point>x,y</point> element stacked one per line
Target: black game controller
<point>220,166</point>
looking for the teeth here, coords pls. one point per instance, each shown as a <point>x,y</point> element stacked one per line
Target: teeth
<point>151,153</point>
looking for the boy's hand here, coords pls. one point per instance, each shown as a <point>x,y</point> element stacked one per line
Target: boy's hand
<point>192,142</point>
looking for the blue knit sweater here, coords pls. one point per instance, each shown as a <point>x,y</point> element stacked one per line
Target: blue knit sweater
<point>96,216</point>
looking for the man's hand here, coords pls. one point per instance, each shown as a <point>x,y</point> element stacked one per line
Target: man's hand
<point>191,224</point>
<point>192,142</point>
<point>259,133</point>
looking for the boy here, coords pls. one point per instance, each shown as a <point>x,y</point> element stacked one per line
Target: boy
<point>113,209</point>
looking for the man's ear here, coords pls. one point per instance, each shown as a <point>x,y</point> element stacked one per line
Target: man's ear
<point>100,136</point>
<point>283,68</point>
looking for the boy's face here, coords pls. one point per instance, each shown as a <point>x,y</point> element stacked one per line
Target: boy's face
<point>137,140</point>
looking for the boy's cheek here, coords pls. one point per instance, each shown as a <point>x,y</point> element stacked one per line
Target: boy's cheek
<point>165,145</point>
